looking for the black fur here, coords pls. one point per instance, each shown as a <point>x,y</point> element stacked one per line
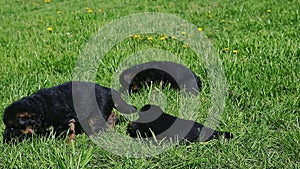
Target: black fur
<point>177,75</point>
<point>152,120</point>
<point>53,107</point>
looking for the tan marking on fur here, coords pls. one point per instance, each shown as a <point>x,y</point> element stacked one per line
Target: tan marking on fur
<point>111,121</point>
<point>24,114</point>
<point>71,136</point>
<point>135,87</point>
<point>28,130</point>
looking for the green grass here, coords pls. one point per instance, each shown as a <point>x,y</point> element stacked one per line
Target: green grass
<point>259,49</point>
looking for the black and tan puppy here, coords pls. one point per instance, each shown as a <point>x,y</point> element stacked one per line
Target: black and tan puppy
<point>153,121</point>
<point>62,108</point>
<point>177,75</point>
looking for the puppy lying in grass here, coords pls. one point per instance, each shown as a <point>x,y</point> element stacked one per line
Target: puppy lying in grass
<point>177,75</point>
<point>56,108</point>
<point>153,121</point>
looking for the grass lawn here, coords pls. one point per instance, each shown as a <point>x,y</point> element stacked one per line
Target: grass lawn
<point>257,42</point>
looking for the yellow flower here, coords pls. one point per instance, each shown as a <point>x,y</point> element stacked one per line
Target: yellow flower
<point>137,36</point>
<point>164,37</point>
<point>149,38</point>
<point>99,10</point>
<point>47,1</point>
<point>50,29</point>
<point>90,10</point>
<point>184,46</point>
<point>222,20</point>
<point>226,49</point>
<point>200,29</point>
<point>183,33</point>
<point>59,12</point>
<point>235,51</point>
<point>131,36</point>
<point>174,38</point>
<point>269,10</point>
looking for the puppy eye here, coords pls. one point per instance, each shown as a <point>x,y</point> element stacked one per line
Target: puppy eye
<point>24,121</point>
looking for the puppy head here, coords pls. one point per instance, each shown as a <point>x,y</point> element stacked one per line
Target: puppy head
<point>20,122</point>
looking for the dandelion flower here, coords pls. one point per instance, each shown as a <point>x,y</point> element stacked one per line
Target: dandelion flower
<point>137,36</point>
<point>131,36</point>
<point>50,29</point>
<point>222,20</point>
<point>149,38</point>
<point>99,10</point>
<point>174,38</point>
<point>184,46</point>
<point>226,49</point>
<point>59,12</point>
<point>164,37</point>
<point>47,1</point>
<point>183,33</point>
<point>235,51</point>
<point>90,10</point>
<point>200,29</point>
<point>269,10</point>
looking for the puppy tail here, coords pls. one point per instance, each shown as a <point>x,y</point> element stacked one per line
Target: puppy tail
<point>208,134</point>
<point>226,135</point>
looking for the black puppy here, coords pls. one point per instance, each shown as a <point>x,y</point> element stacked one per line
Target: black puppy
<point>177,75</point>
<point>62,108</point>
<point>152,120</point>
